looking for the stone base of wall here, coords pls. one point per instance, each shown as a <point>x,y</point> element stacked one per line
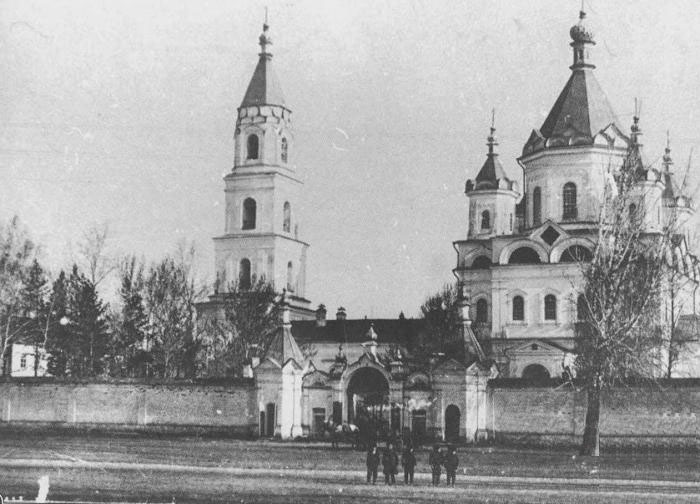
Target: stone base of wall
<point>161,430</point>
<point>613,443</point>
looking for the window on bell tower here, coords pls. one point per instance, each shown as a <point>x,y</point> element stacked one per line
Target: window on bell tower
<point>252,147</point>
<point>537,206</point>
<point>290,276</point>
<point>482,311</point>
<point>287,223</point>
<point>249,211</point>
<point>485,220</point>
<point>244,280</point>
<point>285,150</point>
<point>569,197</point>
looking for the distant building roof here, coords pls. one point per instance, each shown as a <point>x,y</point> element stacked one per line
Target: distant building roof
<point>399,331</point>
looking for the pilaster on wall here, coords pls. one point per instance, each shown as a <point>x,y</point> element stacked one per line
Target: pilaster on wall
<point>478,411</point>
<point>289,415</point>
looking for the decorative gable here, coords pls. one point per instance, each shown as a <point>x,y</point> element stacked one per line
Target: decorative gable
<point>549,233</point>
<point>535,347</point>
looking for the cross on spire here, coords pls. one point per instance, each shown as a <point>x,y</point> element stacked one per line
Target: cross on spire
<point>491,139</point>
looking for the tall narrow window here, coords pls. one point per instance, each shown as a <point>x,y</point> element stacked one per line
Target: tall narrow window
<point>518,308</point>
<point>482,311</point>
<point>287,224</point>
<point>285,150</point>
<point>550,307</point>
<point>290,276</point>
<point>581,308</point>
<point>569,197</point>
<point>244,274</point>
<point>249,211</point>
<point>536,206</point>
<point>253,147</point>
<point>485,220</point>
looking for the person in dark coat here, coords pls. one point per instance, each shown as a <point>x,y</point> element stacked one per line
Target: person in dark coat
<point>408,461</point>
<point>435,463</point>
<point>390,461</point>
<point>451,463</point>
<point>372,465</point>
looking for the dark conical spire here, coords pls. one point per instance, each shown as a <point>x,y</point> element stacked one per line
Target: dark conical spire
<point>264,88</point>
<point>492,171</point>
<point>582,109</point>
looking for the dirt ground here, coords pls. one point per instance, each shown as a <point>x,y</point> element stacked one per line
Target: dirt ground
<point>136,469</point>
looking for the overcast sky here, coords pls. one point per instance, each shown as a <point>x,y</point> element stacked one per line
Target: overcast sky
<point>124,111</point>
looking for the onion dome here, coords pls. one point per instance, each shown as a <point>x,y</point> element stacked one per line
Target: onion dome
<point>580,32</point>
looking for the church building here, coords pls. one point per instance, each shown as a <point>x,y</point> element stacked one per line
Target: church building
<point>516,268</point>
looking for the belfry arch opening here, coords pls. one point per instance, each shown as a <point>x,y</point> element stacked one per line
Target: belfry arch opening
<point>368,397</point>
<point>524,255</point>
<point>576,253</point>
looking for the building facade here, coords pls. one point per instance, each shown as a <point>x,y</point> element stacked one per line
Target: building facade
<point>517,269</point>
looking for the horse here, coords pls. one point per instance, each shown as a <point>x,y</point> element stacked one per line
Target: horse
<point>342,432</point>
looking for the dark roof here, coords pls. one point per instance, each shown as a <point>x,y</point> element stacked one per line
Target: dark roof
<point>400,331</point>
<point>581,111</point>
<point>264,88</point>
<point>284,347</point>
<point>491,172</point>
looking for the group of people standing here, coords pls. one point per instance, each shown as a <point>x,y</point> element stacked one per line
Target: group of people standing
<point>390,464</point>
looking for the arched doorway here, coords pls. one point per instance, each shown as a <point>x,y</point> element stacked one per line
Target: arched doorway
<point>536,373</point>
<point>368,396</point>
<point>452,416</point>
<point>269,420</point>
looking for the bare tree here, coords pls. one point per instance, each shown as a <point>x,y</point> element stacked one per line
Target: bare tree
<point>620,335</point>
<point>170,294</point>
<point>440,315</point>
<point>94,258</point>
<point>17,253</point>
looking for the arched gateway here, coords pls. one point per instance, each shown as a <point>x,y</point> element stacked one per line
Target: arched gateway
<point>367,395</point>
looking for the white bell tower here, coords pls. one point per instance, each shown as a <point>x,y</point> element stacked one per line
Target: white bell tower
<point>261,237</point>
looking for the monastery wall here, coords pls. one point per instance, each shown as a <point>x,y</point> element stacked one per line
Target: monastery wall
<point>177,406</point>
<point>639,416</point>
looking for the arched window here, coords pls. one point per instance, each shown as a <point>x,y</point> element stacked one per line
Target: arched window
<point>244,274</point>
<point>518,308</point>
<point>576,253</point>
<point>249,211</point>
<point>524,255</point>
<point>285,150</point>
<point>536,206</point>
<point>290,276</point>
<point>482,311</point>
<point>569,197</point>
<point>581,308</point>
<point>287,224</point>
<point>253,147</point>
<point>550,307</point>
<point>485,220</point>
<point>481,262</point>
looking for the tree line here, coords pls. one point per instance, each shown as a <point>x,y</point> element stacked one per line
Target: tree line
<point>150,329</point>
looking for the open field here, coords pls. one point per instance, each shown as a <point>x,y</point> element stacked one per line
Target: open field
<point>192,470</point>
